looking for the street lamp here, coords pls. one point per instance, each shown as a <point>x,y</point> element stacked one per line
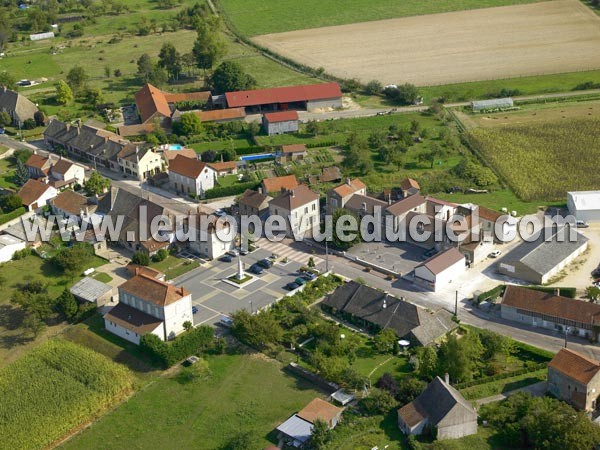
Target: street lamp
<point>251,307</point>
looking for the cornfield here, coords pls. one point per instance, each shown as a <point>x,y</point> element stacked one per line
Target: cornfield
<point>52,390</point>
<point>544,161</point>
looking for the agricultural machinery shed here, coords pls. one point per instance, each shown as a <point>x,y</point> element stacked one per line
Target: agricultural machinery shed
<point>494,103</point>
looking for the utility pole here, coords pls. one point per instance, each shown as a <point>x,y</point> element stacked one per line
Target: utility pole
<point>326,256</point>
<point>566,331</point>
<point>456,303</point>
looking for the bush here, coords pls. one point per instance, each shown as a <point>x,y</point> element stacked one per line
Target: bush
<point>4,218</point>
<point>141,258</point>
<point>227,191</point>
<point>160,255</point>
<point>493,293</point>
<point>570,292</point>
<point>165,354</point>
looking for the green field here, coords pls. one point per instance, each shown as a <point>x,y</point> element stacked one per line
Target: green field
<point>506,385</point>
<point>255,17</point>
<point>240,393</point>
<point>52,390</point>
<point>544,160</point>
<point>498,199</point>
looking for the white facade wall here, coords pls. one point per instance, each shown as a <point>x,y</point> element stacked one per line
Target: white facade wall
<point>42,201</point>
<point>299,220</point>
<point>290,126</point>
<point>587,215</point>
<point>197,186</point>
<point>176,314</point>
<point>334,103</point>
<point>127,334</point>
<point>442,279</point>
<point>76,172</point>
<point>564,263</point>
<point>7,251</point>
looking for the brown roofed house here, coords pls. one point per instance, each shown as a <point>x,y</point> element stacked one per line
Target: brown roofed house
<point>253,203</point>
<point>36,194</point>
<point>409,187</point>
<point>69,203</point>
<point>339,196</point>
<point>291,152</point>
<point>224,168</point>
<point>222,115</point>
<point>38,166</point>
<point>297,430</point>
<point>441,269</point>
<point>575,378</point>
<point>299,207</point>
<point>191,176</point>
<point>276,184</point>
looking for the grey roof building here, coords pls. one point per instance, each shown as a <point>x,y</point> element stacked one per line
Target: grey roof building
<point>494,103</point>
<point>543,258</point>
<point>19,107</point>
<point>377,310</point>
<point>439,406</point>
<point>90,290</point>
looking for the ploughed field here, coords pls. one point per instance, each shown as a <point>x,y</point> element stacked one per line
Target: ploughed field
<point>482,44</point>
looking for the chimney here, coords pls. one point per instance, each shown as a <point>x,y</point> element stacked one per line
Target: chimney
<point>260,190</point>
<point>181,290</point>
<point>348,182</point>
<point>364,206</point>
<point>292,193</point>
<point>447,378</point>
<point>389,199</point>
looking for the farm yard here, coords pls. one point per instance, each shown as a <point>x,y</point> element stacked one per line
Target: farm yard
<point>542,160</point>
<point>548,37</point>
<point>54,389</point>
<point>255,17</point>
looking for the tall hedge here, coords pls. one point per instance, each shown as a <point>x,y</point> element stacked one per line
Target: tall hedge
<point>166,354</point>
<point>570,292</point>
<point>227,191</point>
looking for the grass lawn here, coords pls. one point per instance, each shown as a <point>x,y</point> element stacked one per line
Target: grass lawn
<point>238,142</point>
<point>103,277</point>
<point>497,200</point>
<point>173,267</point>
<point>242,393</point>
<point>506,385</point>
<point>7,172</point>
<point>3,149</point>
<point>255,17</point>
<point>227,180</point>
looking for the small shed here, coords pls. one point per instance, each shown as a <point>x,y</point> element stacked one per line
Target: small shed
<point>91,290</point>
<point>280,122</point>
<point>492,104</point>
<point>291,152</point>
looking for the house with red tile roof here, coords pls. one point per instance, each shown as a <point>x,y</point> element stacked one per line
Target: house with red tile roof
<point>36,194</point>
<point>299,207</point>
<point>148,305</point>
<point>296,431</point>
<point>339,196</point>
<point>276,184</point>
<point>441,269</point>
<point>280,122</point>
<point>153,103</point>
<point>190,176</point>
<point>575,379</point>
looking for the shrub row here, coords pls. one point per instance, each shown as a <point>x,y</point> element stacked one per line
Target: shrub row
<point>4,218</point>
<point>250,150</point>
<point>165,354</point>
<point>322,144</point>
<point>570,292</point>
<point>226,191</point>
<point>534,353</point>
<point>501,376</point>
<point>493,293</point>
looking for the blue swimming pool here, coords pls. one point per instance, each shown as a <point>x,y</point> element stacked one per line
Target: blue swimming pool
<point>175,147</point>
<point>259,156</point>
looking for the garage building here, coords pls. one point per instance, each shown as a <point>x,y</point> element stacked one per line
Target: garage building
<point>584,205</point>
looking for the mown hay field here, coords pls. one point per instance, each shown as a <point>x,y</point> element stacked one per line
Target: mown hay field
<point>436,49</point>
<point>542,161</point>
<point>54,389</point>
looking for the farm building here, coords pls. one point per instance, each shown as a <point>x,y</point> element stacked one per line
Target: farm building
<point>18,107</point>
<point>309,97</point>
<point>441,269</point>
<point>90,290</point>
<point>222,115</point>
<point>280,122</point>
<point>494,103</point>
<point>584,205</point>
<point>152,103</point>
<point>292,152</point>
<point>539,260</point>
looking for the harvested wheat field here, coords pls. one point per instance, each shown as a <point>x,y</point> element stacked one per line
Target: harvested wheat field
<point>504,42</point>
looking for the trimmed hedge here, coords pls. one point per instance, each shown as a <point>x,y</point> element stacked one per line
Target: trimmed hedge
<point>570,292</point>
<point>251,150</point>
<point>4,218</point>
<point>322,144</point>
<point>165,354</point>
<point>496,292</point>
<point>227,191</point>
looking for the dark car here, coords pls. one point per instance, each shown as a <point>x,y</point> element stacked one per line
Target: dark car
<point>300,281</point>
<point>596,272</point>
<point>194,310</point>
<point>291,286</point>
<point>226,258</point>
<point>429,253</point>
<point>266,263</point>
<point>256,269</point>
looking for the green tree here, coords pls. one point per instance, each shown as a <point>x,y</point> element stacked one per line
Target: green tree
<point>64,94</point>
<point>460,357</point>
<point>373,87</point>
<point>592,293</point>
<point>10,202</point>
<point>349,238</point>
<point>94,96</point>
<point>160,255</point>
<point>311,262</point>
<point>189,124</point>
<point>406,94</point>
<point>73,260</point>
<point>258,330</point>
<point>77,79</point>
<point>378,402</point>
<point>96,184</point>
<point>409,389</point>
<point>6,79</point>
<point>241,441</point>
<point>385,339</point>
<point>40,118</point>
<point>5,119</point>
<point>158,76</point>
<point>427,358</point>
<point>141,258</point>
<point>21,173</point>
<point>107,71</point>
<point>145,67</point>
<point>230,76</point>
<point>312,127</point>
<point>320,436</point>
<point>66,304</point>
<point>33,299</point>
<point>209,47</point>
<point>170,60</point>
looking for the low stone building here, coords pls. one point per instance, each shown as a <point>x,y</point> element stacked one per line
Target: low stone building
<point>253,203</point>
<point>90,290</point>
<point>575,379</point>
<point>440,407</point>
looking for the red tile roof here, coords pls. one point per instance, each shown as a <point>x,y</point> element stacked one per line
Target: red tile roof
<point>71,202</point>
<point>293,148</point>
<point>295,198</point>
<point>489,214</point>
<point>62,166</point>
<point>223,166</point>
<point>409,183</point>
<point>151,100</point>
<point>286,94</point>
<point>187,152</point>
<point>202,96</point>
<point>551,305</point>
<point>281,116</point>
<point>188,167</point>
<point>319,409</point>
<point>132,319</point>
<point>152,290</point>
<point>406,204</point>
<point>276,184</point>
<point>31,191</point>
<point>349,187</point>
<point>575,365</point>
<point>221,114</point>
<point>38,161</point>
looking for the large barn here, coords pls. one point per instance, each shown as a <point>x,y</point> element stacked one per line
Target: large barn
<point>309,97</point>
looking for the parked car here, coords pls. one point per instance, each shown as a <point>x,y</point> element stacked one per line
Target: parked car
<point>194,310</point>
<point>1,130</point>
<point>226,321</point>
<point>266,263</point>
<point>256,269</point>
<point>309,276</point>
<point>226,258</point>
<point>581,224</point>
<point>495,254</point>
<point>233,252</point>
<point>243,251</point>
<point>291,286</point>
<point>220,213</point>
<point>300,281</point>
<point>596,272</point>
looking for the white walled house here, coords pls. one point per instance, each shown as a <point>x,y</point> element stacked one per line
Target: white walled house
<point>441,269</point>
<point>213,237</point>
<point>190,177</point>
<point>584,205</point>
<point>148,305</point>
<point>8,246</point>
<point>68,171</point>
<point>141,163</point>
<point>36,195</point>
<point>300,209</point>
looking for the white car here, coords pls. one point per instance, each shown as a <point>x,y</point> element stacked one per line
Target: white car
<point>495,254</point>
<point>233,252</point>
